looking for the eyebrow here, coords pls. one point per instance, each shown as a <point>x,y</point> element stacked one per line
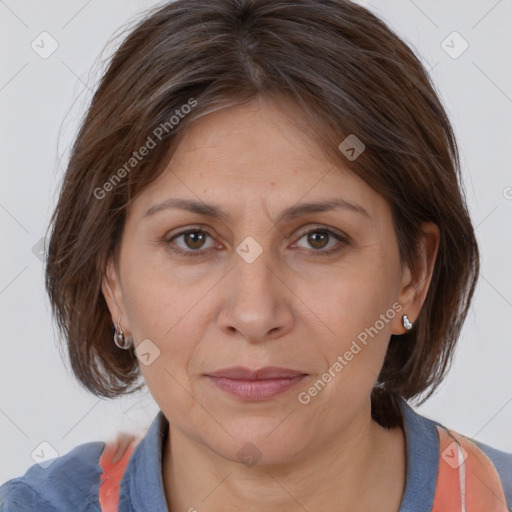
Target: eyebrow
<point>215,212</point>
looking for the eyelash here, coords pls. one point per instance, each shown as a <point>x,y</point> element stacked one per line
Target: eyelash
<point>319,252</point>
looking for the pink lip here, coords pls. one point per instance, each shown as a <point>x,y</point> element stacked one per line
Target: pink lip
<point>261,384</point>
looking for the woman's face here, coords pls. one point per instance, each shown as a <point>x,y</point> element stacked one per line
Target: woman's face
<point>248,287</point>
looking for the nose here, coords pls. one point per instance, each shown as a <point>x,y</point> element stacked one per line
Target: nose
<point>257,303</point>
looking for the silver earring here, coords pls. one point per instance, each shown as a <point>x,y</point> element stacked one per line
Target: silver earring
<point>406,322</point>
<point>119,338</point>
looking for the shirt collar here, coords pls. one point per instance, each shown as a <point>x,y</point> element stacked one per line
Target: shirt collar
<point>142,485</point>
<point>422,444</point>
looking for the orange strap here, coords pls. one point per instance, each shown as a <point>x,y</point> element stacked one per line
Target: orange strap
<point>467,480</point>
<point>113,462</point>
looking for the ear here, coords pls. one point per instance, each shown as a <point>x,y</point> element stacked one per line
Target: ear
<point>113,293</point>
<point>415,281</point>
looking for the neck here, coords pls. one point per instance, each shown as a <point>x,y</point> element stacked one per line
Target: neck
<point>361,468</point>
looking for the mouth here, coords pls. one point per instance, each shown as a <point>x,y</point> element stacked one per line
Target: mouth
<point>256,385</point>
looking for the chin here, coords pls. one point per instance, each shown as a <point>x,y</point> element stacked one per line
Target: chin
<point>259,441</point>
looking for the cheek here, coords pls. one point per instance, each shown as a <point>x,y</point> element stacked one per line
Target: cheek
<point>168,313</point>
<point>353,295</point>
<point>153,297</point>
<point>357,316</point>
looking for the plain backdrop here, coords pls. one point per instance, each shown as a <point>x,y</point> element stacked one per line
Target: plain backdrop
<point>41,101</point>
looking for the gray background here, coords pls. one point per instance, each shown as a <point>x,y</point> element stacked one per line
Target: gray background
<point>41,102</point>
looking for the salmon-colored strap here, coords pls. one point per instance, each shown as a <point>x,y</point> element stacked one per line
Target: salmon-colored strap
<point>467,480</point>
<point>113,462</point>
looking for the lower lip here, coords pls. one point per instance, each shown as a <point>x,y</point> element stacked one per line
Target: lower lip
<point>255,390</point>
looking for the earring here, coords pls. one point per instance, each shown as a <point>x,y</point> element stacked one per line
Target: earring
<point>119,338</point>
<point>406,322</point>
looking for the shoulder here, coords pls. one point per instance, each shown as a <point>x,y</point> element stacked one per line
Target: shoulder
<point>427,447</point>
<point>484,472</point>
<point>68,482</point>
<point>502,461</point>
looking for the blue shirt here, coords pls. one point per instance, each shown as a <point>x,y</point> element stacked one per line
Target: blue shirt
<point>72,481</point>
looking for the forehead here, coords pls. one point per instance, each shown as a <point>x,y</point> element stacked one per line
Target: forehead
<point>251,152</point>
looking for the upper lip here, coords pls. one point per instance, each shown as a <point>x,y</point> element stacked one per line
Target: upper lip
<point>268,372</point>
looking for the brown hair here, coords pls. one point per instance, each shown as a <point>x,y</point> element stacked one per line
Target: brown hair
<point>348,73</point>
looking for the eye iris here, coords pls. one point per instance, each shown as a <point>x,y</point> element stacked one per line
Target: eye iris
<point>197,238</point>
<point>318,237</point>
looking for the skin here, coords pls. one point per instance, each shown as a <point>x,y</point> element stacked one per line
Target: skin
<point>291,307</point>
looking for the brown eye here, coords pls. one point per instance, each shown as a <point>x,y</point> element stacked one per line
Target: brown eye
<point>323,241</point>
<point>192,242</point>
<point>318,239</point>
<point>194,239</point>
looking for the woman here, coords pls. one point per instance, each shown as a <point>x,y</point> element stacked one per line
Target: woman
<point>264,200</point>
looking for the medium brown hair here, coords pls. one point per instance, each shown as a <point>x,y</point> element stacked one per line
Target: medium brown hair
<point>347,73</point>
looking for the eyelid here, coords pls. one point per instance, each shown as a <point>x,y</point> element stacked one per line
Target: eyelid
<point>186,229</point>
<point>320,227</point>
<point>342,241</point>
<point>168,239</point>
